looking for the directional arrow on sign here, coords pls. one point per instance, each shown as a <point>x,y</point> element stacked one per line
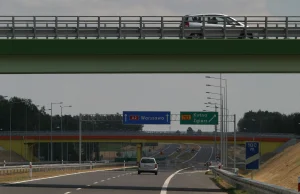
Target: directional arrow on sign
<point>167,117</point>
<point>212,118</point>
<point>125,117</point>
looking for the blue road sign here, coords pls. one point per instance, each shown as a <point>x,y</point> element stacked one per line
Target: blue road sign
<point>146,117</point>
<point>252,155</point>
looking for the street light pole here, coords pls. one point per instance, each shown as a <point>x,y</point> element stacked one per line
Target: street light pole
<point>51,157</point>
<point>51,149</point>
<point>216,136</point>
<point>225,125</point>
<point>79,139</point>
<point>39,145</point>
<point>234,149</point>
<point>26,145</point>
<point>61,129</point>
<point>10,109</point>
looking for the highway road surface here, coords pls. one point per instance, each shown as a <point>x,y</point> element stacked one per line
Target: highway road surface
<point>168,181</point>
<point>119,182</point>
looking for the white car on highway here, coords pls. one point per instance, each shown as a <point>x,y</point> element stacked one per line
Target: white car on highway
<point>212,20</point>
<point>148,164</point>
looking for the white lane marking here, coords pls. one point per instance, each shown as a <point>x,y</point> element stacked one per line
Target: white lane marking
<point>88,185</point>
<point>95,182</point>
<point>198,171</point>
<point>193,156</point>
<point>78,189</point>
<point>186,150</point>
<point>66,175</point>
<point>108,179</point>
<point>167,181</point>
<point>212,151</point>
<point>162,150</point>
<point>113,177</point>
<point>118,175</point>
<point>102,180</point>
<point>172,153</point>
<point>67,192</point>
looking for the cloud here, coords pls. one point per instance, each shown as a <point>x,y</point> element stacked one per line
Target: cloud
<point>132,7</point>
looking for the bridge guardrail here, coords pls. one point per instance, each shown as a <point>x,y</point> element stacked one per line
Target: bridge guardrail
<point>8,170</point>
<point>141,27</point>
<point>248,184</point>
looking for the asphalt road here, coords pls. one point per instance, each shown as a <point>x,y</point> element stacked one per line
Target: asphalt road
<point>167,150</point>
<point>129,182</point>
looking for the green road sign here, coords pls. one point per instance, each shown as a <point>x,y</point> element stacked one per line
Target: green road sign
<point>199,118</point>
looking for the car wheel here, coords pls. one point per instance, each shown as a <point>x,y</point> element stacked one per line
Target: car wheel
<point>249,36</point>
<point>139,172</point>
<point>155,173</point>
<point>195,36</point>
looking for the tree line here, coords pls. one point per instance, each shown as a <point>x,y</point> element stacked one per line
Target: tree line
<point>26,116</point>
<point>269,122</point>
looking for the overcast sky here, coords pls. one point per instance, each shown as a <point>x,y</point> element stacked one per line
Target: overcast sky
<point>115,93</point>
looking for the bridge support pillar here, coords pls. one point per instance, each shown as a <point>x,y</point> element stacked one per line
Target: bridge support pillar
<point>138,151</point>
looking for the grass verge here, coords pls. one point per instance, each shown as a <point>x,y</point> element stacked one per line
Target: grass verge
<point>209,172</point>
<point>227,187</point>
<point>36,175</point>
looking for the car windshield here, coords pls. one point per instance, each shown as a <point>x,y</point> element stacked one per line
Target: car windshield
<point>147,160</point>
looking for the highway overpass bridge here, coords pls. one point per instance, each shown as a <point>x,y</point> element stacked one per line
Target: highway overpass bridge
<point>54,44</point>
<point>120,44</point>
<point>21,141</point>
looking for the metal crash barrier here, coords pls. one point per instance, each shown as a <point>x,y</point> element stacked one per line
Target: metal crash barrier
<point>249,185</point>
<point>10,170</point>
<point>144,27</point>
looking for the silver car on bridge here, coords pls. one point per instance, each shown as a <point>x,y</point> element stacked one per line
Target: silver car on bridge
<point>212,21</point>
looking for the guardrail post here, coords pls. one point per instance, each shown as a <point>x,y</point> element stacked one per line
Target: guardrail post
<point>124,165</point>
<point>91,165</point>
<point>30,169</point>
<point>4,163</point>
<point>47,34</point>
<point>162,27</point>
<point>98,28</point>
<point>286,27</point>
<point>62,161</point>
<point>13,28</point>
